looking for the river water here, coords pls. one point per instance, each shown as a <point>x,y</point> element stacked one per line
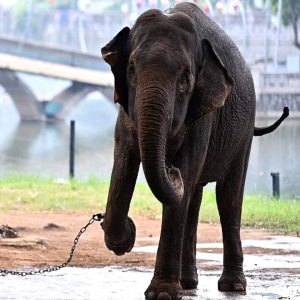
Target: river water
<point>42,149</point>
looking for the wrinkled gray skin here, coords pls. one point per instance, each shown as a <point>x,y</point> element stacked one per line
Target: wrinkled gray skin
<point>187,114</point>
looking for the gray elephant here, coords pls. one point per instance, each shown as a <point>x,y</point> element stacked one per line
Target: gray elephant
<point>187,114</point>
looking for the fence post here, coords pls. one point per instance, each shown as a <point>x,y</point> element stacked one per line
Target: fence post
<point>72,149</point>
<point>275,185</point>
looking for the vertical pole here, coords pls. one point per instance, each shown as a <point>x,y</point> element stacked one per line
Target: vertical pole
<point>245,26</point>
<point>276,51</point>
<point>275,185</point>
<point>72,149</point>
<point>266,37</point>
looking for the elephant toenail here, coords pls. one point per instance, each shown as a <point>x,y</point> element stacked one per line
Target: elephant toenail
<point>238,287</point>
<point>164,296</point>
<point>224,287</point>
<point>150,295</point>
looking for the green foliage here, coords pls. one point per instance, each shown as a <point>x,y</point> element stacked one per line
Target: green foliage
<point>36,194</point>
<point>281,215</point>
<point>259,212</point>
<point>23,8</point>
<point>29,193</point>
<point>113,6</point>
<point>64,3</point>
<point>19,13</point>
<point>290,10</point>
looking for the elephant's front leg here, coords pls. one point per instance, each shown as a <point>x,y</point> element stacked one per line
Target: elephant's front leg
<point>166,280</point>
<point>170,256</point>
<point>119,229</point>
<point>189,276</point>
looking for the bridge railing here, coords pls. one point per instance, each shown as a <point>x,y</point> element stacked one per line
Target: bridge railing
<point>289,81</point>
<point>87,32</point>
<point>69,29</point>
<point>278,90</point>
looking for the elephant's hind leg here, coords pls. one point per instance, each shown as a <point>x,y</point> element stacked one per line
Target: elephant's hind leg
<point>189,276</point>
<point>229,199</point>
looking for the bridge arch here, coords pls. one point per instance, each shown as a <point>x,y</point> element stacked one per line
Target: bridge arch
<point>81,72</point>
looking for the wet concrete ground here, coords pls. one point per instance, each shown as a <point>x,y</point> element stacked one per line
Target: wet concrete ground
<point>269,277</point>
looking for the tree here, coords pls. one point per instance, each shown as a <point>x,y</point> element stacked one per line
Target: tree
<point>290,16</point>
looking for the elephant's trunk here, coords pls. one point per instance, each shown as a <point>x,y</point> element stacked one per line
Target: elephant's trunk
<point>153,119</point>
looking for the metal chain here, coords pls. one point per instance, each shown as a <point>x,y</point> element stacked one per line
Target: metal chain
<point>96,217</point>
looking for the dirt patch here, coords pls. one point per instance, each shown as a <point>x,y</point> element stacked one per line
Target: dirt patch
<point>41,244</point>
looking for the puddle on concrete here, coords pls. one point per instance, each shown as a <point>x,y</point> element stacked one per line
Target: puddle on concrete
<point>119,284</point>
<point>288,243</point>
<point>280,281</point>
<point>256,262</point>
<point>251,261</point>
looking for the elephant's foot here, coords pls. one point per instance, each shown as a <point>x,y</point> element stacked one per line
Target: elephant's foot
<point>120,248</point>
<point>232,281</point>
<point>163,290</point>
<point>189,277</point>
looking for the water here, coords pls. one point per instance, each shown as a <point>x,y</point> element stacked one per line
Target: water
<point>112,283</point>
<point>268,276</point>
<point>252,262</point>
<point>42,149</point>
<point>276,152</point>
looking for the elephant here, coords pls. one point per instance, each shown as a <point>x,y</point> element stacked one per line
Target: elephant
<point>187,110</point>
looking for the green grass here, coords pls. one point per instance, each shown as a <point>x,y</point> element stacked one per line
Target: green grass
<point>29,193</point>
<point>259,212</point>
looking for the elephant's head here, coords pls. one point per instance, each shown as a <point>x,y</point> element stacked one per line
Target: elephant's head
<point>165,77</point>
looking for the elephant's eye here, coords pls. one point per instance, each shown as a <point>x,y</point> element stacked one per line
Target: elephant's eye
<point>184,81</point>
<point>131,75</point>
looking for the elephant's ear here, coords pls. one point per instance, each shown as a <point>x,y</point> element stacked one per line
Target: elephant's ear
<point>212,86</point>
<point>115,54</point>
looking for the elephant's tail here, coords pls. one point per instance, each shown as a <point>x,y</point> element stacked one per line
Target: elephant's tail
<point>265,130</point>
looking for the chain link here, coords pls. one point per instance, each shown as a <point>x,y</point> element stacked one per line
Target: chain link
<point>96,217</point>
